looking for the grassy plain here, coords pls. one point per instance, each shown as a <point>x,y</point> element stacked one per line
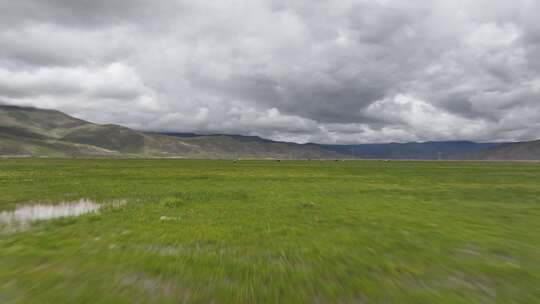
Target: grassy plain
<point>199,231</point>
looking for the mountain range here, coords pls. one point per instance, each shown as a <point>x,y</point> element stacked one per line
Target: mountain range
<point>32,132</point>
<point>37,132</point>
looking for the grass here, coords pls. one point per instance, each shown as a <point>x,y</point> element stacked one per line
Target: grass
<point>275,232</point>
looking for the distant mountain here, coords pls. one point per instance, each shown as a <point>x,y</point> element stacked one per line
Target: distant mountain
<point>243,138</point>
<point>529,150</point>
<point>37,132</point>
<point>416,150</point>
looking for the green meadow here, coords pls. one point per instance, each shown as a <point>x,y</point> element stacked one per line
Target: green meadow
<point>196,231</point>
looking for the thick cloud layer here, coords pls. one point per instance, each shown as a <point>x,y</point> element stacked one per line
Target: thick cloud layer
<point>325,71</point>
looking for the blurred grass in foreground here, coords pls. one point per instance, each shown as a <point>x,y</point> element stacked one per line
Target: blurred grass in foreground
<point>275,232</point>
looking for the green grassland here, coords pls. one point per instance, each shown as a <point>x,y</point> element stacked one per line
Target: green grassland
<point>197,231</point>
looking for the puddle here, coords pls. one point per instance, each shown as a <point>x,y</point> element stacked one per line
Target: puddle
<point>23,215</point>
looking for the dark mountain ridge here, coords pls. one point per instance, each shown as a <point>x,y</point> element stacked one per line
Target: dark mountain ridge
<point>430,150</point>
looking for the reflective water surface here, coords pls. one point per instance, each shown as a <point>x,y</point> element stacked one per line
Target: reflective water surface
<point>23,215</point>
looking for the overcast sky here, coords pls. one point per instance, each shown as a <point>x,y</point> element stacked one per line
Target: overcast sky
<point>332,71</point>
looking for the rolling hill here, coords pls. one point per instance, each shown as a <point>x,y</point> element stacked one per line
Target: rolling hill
<point>31,132</point>
<point>36,132</point>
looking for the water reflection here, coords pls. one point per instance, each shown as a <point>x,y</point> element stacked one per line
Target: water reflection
<point>23,215</point>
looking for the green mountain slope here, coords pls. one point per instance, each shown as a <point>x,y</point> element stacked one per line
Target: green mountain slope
<point>37,132</point>
<point>48,133</point>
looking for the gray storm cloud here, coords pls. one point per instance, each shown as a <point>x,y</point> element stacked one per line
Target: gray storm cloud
<point>326,71</point>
